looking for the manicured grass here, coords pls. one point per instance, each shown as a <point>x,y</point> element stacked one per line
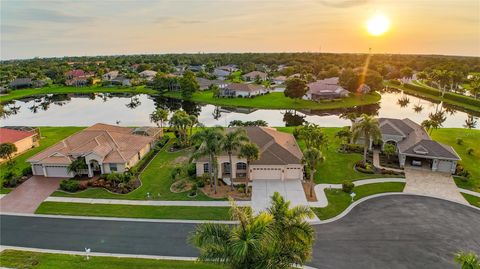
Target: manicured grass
<point>50,136</point>
<point>277,100</point>
<point>337,167</point>
<point>155,179</point>
<point>431,96</point>
<point>135,211</point>
<point>338,200</point>
<point>37,260</point>
<point>18,94</point>
<point>473,200</point>
<point>471,139</point>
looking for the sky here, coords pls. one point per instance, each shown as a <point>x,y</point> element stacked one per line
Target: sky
<point>37,28</point>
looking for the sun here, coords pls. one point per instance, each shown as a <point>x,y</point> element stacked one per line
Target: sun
<point>378,25</point>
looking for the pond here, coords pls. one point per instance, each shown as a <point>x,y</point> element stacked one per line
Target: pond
<point>134,110</point>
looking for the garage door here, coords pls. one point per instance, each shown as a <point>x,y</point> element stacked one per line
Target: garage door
<point>294,173</point>
<point>56,171</point>
<point>444,166</point>
<point>38,169</point>
<point>266,173</point>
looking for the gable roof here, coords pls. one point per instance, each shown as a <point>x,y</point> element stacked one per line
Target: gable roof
<point>326,86</point>
<point>242,87</point>
<point>254,74</point>
<point>114,144</point>
<point>12,136</point>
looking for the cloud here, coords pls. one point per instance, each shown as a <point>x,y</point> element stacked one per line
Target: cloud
<point>12,29</point>
<point>176,21</point>
<point>47,15</point>
<point>342,3</point>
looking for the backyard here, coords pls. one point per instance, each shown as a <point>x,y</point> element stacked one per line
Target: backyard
<point>37,260</point>
<point>277,100</point>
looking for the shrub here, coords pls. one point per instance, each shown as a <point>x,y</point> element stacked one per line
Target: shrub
<point>69,185</point>
<point>459,141</point>
<point>347,186</point>
<point>200,184</point>
<point>353,148</point>
<point>27,171</point>
<point>470,151</point>
<point>191,169</point>
<point>464,173</point>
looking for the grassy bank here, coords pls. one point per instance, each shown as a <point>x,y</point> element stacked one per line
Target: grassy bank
<point>49,136</point>
<point>471,139</point>
<point>18,94</point>
<point>277,100</point>
<point>135,211</point>
<point>37,260</point>
<point>338,200</point>
<point>430,93</point>
<point>473,200</point>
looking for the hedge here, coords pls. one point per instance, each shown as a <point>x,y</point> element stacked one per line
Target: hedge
<point>448,95</point>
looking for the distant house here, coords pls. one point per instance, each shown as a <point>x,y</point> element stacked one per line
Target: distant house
<point>23,140</point>
<point>105,149</point>
<point>196,68</point>
<point>77,78</point>
<point>325,89</point>
<point>230,68</point>
<point>220,73</point>
<point>110,75</point>
<point>121,80</point>
<point>148,74</point>
<point>20,83</point>
<point>206,83</point>
<point>252,76</point>
<point>363,89</point>
<point>279,80</point>
<point>242,90</point>
<point>77,81</point>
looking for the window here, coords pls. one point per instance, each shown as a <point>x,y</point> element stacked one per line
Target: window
<point>205,168</point>
<point>226,168</point>
<point>113,167</point>
<point>241,166</point>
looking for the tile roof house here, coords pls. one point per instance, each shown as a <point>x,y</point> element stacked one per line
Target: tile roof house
<point>110,75</point>
<point>23,140</point>
<point>205,83</point>
<point>148,74</point>
<point>220,73</point>
<point>252,76</point>
<point>105,149</point>
<point>415,147</point>
<point>77,77</point>
<point>242,90</point>
<point>19,83</point>
<point>325,89</point>
<point>280,158</point>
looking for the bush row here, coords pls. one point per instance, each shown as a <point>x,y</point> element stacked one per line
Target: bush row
<point>448,95</point>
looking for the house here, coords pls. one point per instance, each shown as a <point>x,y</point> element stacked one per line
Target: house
<point>23,140</point>
<point>280,158</point>
<point>105,149</point>
<point>77,77</point>
<point>254,75</point>
<point>121,80</point>
<point>242,90</point>
<point>279,80</point>
<point>220,73</point>
<point>148,74</point>
<point>363,89</point>
<point>206,83</point>
<point>230,68</point>
<point>20,83</point>
<point>110,75</point>
<point>415,147</point>
<point>77,81</point>
<point>196,68</point>
<point>325,89</point>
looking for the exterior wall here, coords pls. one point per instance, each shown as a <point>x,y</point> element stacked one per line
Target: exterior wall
<point>120,168</point>
<point>135,159</point>
<point>23,145</point>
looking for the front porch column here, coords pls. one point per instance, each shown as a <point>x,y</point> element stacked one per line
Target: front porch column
<point>435,165</point>
<point>90,173</point>
<point>101,168</point>
<point>233,171</point>
<point>44,171</point>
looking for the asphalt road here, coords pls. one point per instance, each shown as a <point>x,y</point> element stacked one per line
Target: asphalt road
<point>385,232</point>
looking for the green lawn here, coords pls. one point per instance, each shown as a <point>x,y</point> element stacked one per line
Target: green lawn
<point>18,94</point>
<point>338,200</point>
<point>277,100</point>
<point>50,136</point>
<point>473,200</point>
<point>155,179</point>
<point>135,211</point>
<point>337,167</point>
<point>37,260</point>
<point>471,139</point>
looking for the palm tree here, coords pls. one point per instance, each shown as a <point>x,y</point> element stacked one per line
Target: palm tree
<point>467,260</point>
<point>369,129</point>
<point>77,166</point>
<point>279,238</point>
<point>231,143</point>
<point>180,121</point>
<point>470,122</point>
<point>159,116</point>
<point>351,116</point>
<point>250,152</point>
<point>312,157</point>
<point>210,145</point>
<point>193,122</point>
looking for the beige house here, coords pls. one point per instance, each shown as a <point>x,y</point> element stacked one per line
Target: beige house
<point>105,149</point>
<point>23,140</point>
<point>280,158</point>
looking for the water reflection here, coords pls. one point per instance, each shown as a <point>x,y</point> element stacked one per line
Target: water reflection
<point>131,109</point>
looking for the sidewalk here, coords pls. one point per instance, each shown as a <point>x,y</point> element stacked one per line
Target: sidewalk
<point>376,162</point>
<point>143,202</point>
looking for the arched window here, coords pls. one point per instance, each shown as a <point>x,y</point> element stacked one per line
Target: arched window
<point>241,166</point>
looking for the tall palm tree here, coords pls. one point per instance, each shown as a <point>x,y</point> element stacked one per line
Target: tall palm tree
<point>231,143</point>
<point>467,260</point>
<point>210,145</point>
<point>369,129</point>
<point>159,116</point>
<point>180,121</point>
<point>279,238</point>
<point>193,122</point>
<point>250,152</point>
<point>312,157</point>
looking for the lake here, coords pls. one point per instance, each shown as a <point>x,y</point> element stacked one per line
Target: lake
<point>134,110</point>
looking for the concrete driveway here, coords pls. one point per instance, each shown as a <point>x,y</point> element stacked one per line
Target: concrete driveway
<point>429,183</point>
<point>29,195</point>
<point>262,190</point>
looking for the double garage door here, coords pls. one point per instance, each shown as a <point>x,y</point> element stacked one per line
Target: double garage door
<point>57,171</point>
<point>266,173</point>
<point>444,166</point>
